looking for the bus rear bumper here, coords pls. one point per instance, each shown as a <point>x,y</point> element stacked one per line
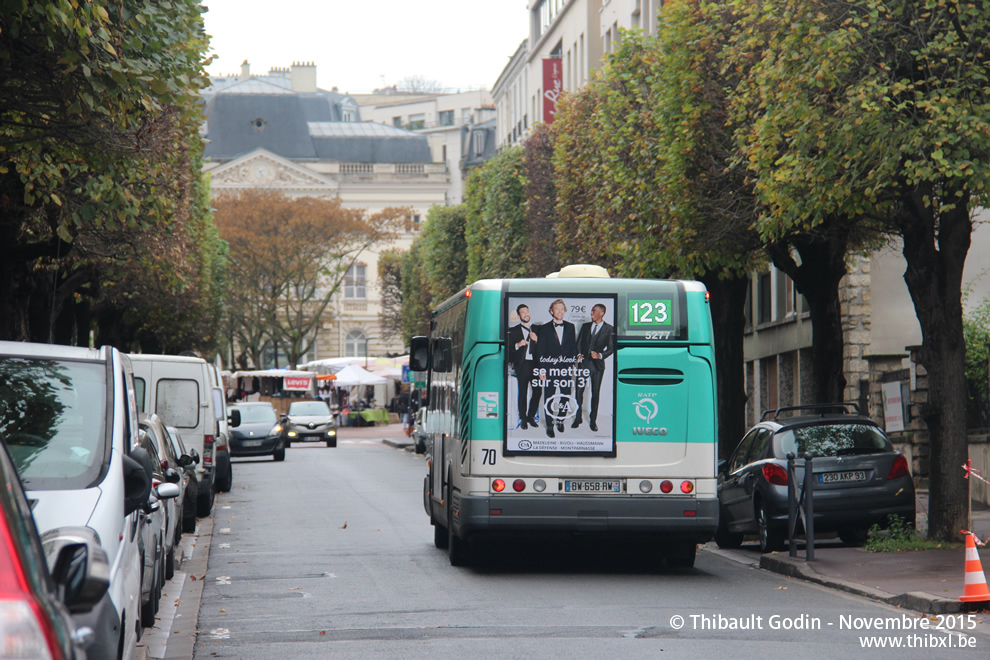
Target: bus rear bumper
<point>689,519</point>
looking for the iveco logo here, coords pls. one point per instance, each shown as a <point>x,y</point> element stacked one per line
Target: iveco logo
<point>646,409</point>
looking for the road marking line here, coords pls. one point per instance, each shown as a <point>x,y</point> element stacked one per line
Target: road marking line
<point>223,579</point>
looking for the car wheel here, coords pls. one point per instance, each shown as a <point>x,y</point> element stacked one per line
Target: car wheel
<point>204,502</point>
<point>148,609</point>
<point>189,507</point>
<point>332,443</point>
<point>854,535</point>
<point>770,539</point>
<point>682,555</point>
<point>279,454</point>
<point>225,476</point>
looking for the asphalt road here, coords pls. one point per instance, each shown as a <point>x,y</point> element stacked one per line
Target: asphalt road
<point>330,554</point>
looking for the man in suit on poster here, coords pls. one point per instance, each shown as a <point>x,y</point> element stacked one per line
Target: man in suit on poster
<point>523,362</point>
<point>555,351</point>
<point>596,342</point>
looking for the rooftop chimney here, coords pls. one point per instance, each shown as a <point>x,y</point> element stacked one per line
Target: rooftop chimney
<point>245,70</point>
<point>303,77</point>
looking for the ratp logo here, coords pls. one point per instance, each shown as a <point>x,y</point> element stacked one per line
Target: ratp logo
<point>646,409</point>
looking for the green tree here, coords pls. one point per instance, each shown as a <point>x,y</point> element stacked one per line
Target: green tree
<point>390,286</point>
<point>416,309</point>
<point>879,110</point>
<point>541,201</point>
<point>98,129</point>
<point>442,248</point>
<point>496,218</point>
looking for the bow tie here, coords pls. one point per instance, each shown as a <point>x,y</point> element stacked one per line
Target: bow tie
<point>558,325</point>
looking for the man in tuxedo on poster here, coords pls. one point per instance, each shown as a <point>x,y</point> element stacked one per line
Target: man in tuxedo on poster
<point>523,362</point>
<point>596,341</point>
<point>556,352</point>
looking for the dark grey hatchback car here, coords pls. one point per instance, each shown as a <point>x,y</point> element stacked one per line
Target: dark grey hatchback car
<point>859,479</point>
<point>256,431</point>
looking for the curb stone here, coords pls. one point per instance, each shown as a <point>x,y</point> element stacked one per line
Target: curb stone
<point>915,600</point>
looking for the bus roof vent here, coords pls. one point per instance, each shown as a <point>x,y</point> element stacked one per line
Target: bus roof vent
<point>581,270</point>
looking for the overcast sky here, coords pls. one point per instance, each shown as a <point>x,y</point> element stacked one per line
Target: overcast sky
<point>360,45</point>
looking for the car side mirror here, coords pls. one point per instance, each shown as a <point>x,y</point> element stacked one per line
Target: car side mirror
<point>234,418</point>
<point>282,418</point>
<point>167,491</point>
<point>723,466</point>
<point>194,455</point>
<point>137,479</point>
<point>172,476</point>
<point>78,565</point>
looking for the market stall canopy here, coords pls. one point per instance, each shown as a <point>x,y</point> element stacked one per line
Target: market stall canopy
<point>274,373</point>
<point>353,374</point>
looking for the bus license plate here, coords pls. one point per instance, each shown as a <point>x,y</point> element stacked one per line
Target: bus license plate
<point>592,486</point>
<point>838,477</point>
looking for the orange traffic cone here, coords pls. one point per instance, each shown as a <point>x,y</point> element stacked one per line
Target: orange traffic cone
<point>975,583</point>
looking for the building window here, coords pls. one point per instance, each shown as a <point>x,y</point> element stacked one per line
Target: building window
<point>354,282</point>
<point>446,117</point>
<point>764,299</point>
<point>397,122</point>
<point>356,344</point>
<point>479,142</point>
<point>347,115</point>
<point>416,122</point>
<point>444,152</point>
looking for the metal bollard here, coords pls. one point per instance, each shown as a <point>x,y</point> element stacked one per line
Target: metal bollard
<point>792,505</point>
<point>809,509</point>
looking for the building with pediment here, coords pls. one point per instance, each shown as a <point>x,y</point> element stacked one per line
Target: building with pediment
<point>280,132</point>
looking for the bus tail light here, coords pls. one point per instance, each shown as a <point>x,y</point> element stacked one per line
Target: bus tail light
<point>645,486</point>
<point>687,487</point>
<point>775,474</point>
<point>519,485</point>
<point>666,486</point>
<point>498,485</point>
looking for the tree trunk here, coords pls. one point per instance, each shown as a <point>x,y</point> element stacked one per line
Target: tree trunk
<point>728,299</point>
<point>823,265</point>
<point>935,249</point>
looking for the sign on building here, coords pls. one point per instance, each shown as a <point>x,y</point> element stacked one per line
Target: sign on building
<point>553,87</point>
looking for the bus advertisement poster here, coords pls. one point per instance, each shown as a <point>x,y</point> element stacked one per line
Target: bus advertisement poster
<point>560,393</point>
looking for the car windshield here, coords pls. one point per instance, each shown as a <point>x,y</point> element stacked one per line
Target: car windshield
<point>833,440</point>
<point>256,414</point>
<point>52,417</point>
<point>309,408</point>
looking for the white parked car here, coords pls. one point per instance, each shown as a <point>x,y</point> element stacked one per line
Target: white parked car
<point>69,418</point>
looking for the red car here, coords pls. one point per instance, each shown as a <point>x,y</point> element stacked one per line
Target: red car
<point>37,600</point>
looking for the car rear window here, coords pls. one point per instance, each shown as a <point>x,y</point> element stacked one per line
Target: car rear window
<point>309,408</point>
<point>832,440</point>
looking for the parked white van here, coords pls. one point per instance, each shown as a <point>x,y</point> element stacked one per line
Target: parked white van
<point>180,390</point>
<point>68,416</point>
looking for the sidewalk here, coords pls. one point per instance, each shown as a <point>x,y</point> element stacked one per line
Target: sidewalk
<point>930,581</point>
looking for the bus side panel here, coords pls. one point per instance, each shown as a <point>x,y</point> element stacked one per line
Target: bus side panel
<point>485,419</point>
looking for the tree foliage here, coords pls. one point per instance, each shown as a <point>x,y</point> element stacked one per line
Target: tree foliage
<point>289,257</point>
<point>99,145</point>
<point>442,248</point>
<point>879,110</point>
<point>541,201</point>
<point>496,218</point>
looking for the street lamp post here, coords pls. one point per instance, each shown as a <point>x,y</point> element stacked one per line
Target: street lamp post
<point>366,340</point>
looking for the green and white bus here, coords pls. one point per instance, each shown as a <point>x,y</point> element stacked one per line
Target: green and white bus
<point>576,403</point>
